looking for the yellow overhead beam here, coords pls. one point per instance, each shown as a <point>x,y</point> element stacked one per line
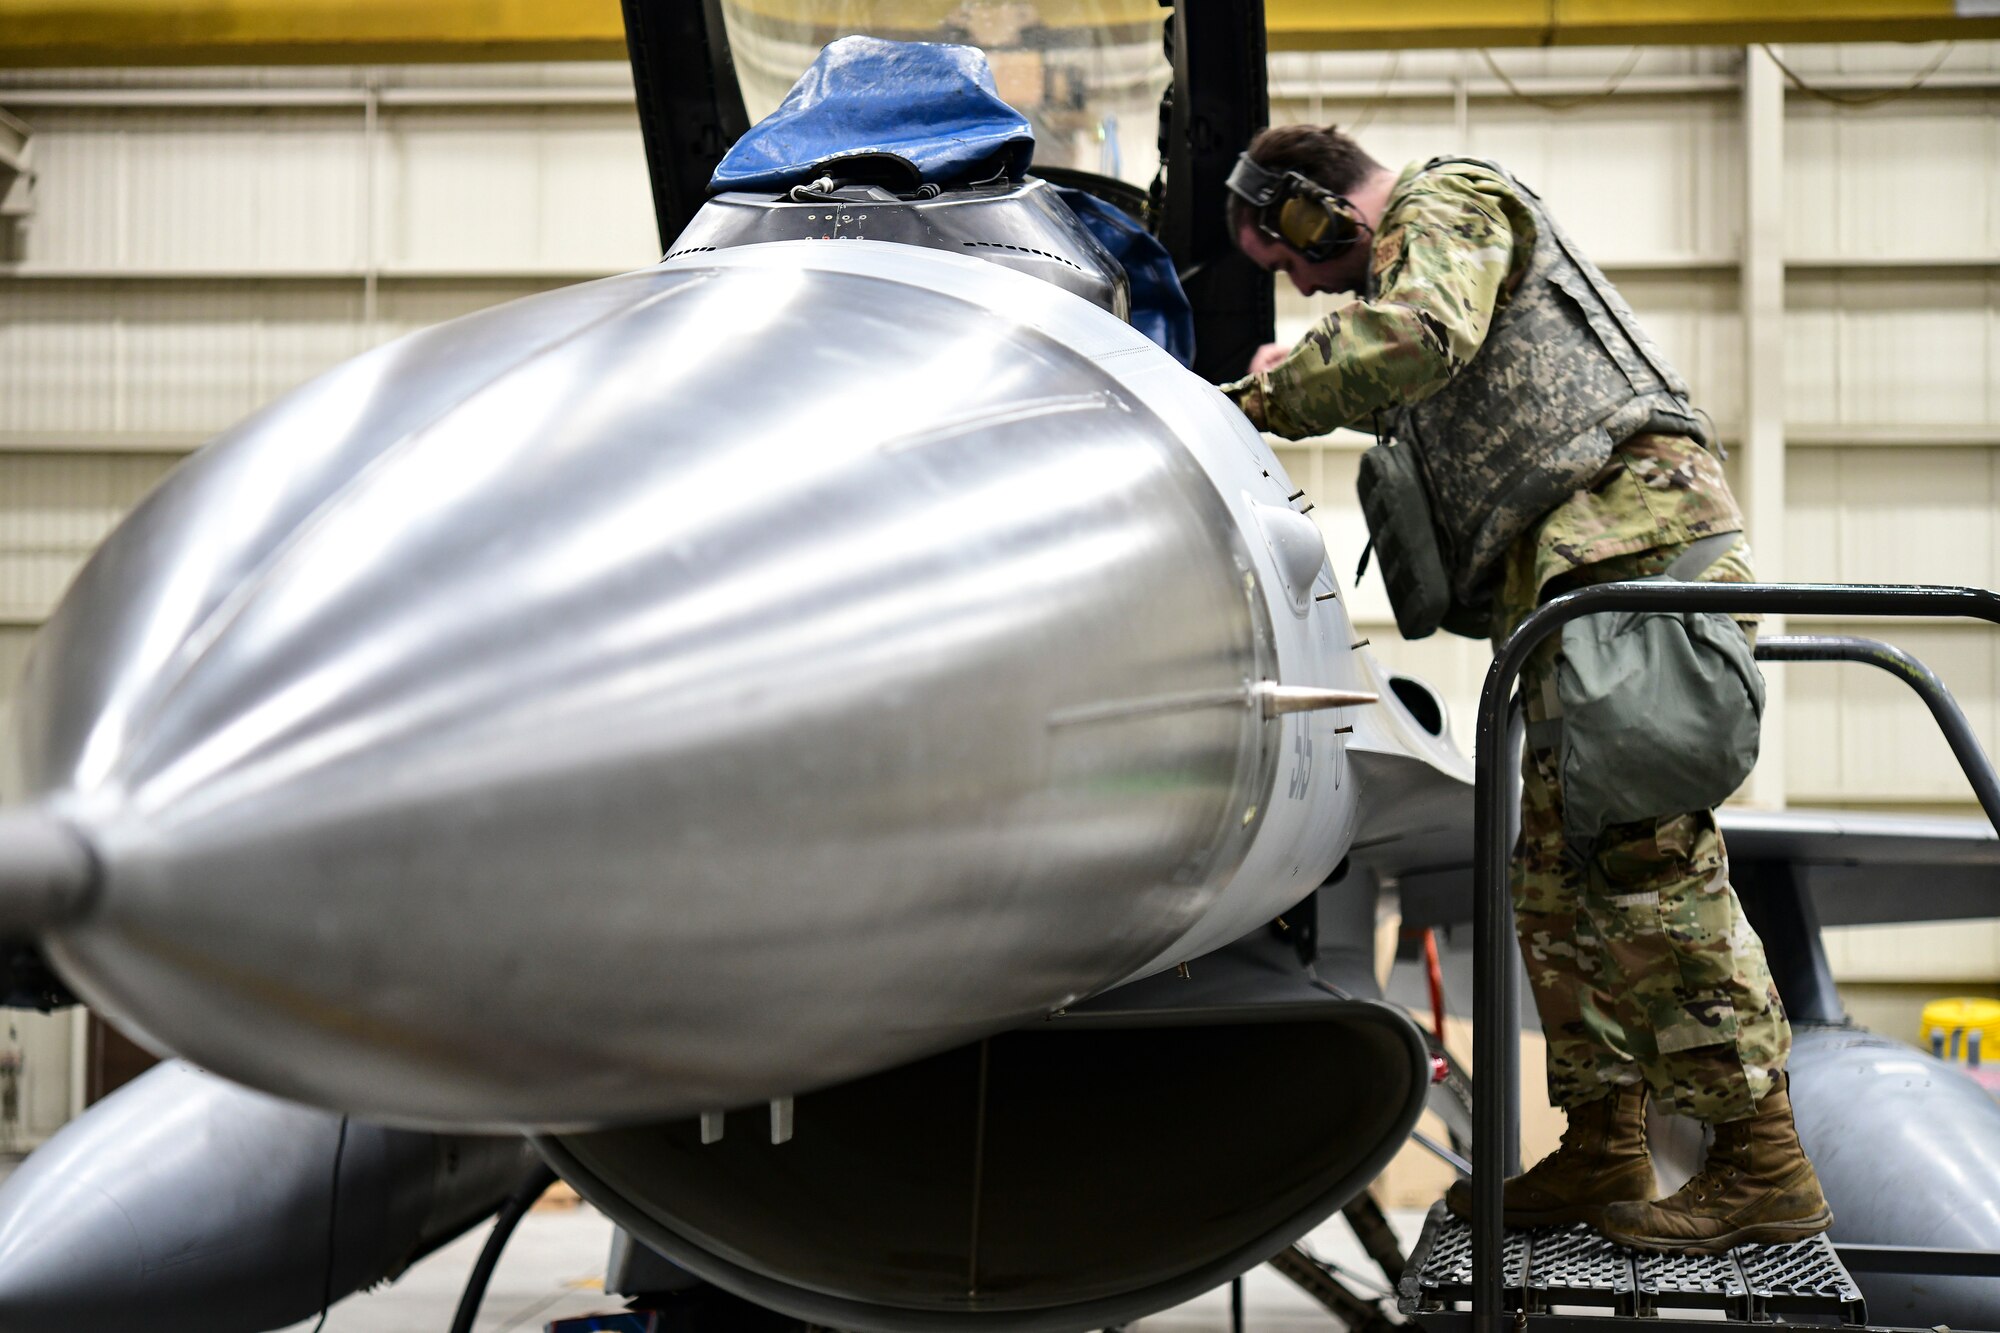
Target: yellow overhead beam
<point>932,15</point>
<point>51,33</point>
<point>1331,25</point>
<point>194,32</point>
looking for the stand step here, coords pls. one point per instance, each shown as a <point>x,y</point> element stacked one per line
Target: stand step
<point>1576,1268</point>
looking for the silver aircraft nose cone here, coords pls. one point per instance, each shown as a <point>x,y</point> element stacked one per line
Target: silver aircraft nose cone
<point>657,695</point>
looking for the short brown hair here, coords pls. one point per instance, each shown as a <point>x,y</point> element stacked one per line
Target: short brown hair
<point>1325,156</point>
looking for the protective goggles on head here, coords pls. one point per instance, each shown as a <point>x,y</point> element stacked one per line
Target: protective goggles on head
<point>1295,211</point>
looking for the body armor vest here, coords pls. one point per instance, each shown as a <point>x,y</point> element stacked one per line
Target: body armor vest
<point>1564,375</point>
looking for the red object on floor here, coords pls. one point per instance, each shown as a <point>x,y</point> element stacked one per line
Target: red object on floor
<point>1434,973</point>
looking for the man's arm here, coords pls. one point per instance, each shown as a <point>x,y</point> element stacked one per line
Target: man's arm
<point>1441,264</point>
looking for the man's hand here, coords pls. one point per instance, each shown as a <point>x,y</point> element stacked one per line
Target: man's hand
<point>1248,397</point>
<point>1267,358</point>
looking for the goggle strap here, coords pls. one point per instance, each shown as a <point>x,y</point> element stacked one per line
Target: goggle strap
<point>1254,184</point>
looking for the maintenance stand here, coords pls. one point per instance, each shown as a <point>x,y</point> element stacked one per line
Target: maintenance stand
<point>1552,1267</point>
<point>1478,1277</point>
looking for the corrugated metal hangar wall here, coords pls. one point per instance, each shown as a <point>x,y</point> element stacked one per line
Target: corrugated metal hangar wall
<point>1824,265</point>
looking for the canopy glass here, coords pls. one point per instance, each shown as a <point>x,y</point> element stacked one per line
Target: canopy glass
<point>1088,74</point>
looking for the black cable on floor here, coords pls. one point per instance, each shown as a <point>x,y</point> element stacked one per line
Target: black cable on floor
<point>510,1215</point>
<point>332,1226</point>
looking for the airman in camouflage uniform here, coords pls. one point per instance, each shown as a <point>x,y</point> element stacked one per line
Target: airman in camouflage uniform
<point>1647,976</point>
<point>1642,960</point>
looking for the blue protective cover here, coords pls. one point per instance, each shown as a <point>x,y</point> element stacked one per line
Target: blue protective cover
<point>1160,309</point>
<point>923,108</point>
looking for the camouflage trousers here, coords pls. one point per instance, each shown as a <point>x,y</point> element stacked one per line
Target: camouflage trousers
<point>1640,960</point>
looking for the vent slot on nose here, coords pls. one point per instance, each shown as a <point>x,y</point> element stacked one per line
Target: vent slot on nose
<point>1421,702</point>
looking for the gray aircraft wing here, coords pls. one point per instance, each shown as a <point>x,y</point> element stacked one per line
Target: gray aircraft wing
<point>1864,868</point>
<point>1859,867</point>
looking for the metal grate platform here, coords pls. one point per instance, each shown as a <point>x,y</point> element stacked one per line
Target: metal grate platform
<point>1575,1267</point>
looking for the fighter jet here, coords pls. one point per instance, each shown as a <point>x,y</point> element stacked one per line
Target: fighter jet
<point>846,743</point>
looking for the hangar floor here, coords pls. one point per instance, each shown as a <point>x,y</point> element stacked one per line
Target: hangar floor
<point>554,1267</point>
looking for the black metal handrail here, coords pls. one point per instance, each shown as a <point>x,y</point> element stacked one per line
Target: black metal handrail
<point>1496,1118</point>
<point>1958,733</point>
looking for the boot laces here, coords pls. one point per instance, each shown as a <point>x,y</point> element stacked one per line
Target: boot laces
<point>1719,1170</point>
<point>1577,1134</point>
<point>1712,1178</point>
<point>1573,1140</point>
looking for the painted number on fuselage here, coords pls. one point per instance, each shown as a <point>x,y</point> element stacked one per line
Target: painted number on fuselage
<point>1302,762</point>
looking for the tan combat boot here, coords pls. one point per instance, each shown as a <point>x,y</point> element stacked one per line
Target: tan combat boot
<point>1602,1160</point>
<point>1756,1188</point>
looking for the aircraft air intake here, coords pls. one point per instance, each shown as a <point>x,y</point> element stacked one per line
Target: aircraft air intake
<point>1068,1175</point>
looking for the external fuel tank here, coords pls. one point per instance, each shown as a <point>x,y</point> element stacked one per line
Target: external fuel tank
<point>183,1203</point>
